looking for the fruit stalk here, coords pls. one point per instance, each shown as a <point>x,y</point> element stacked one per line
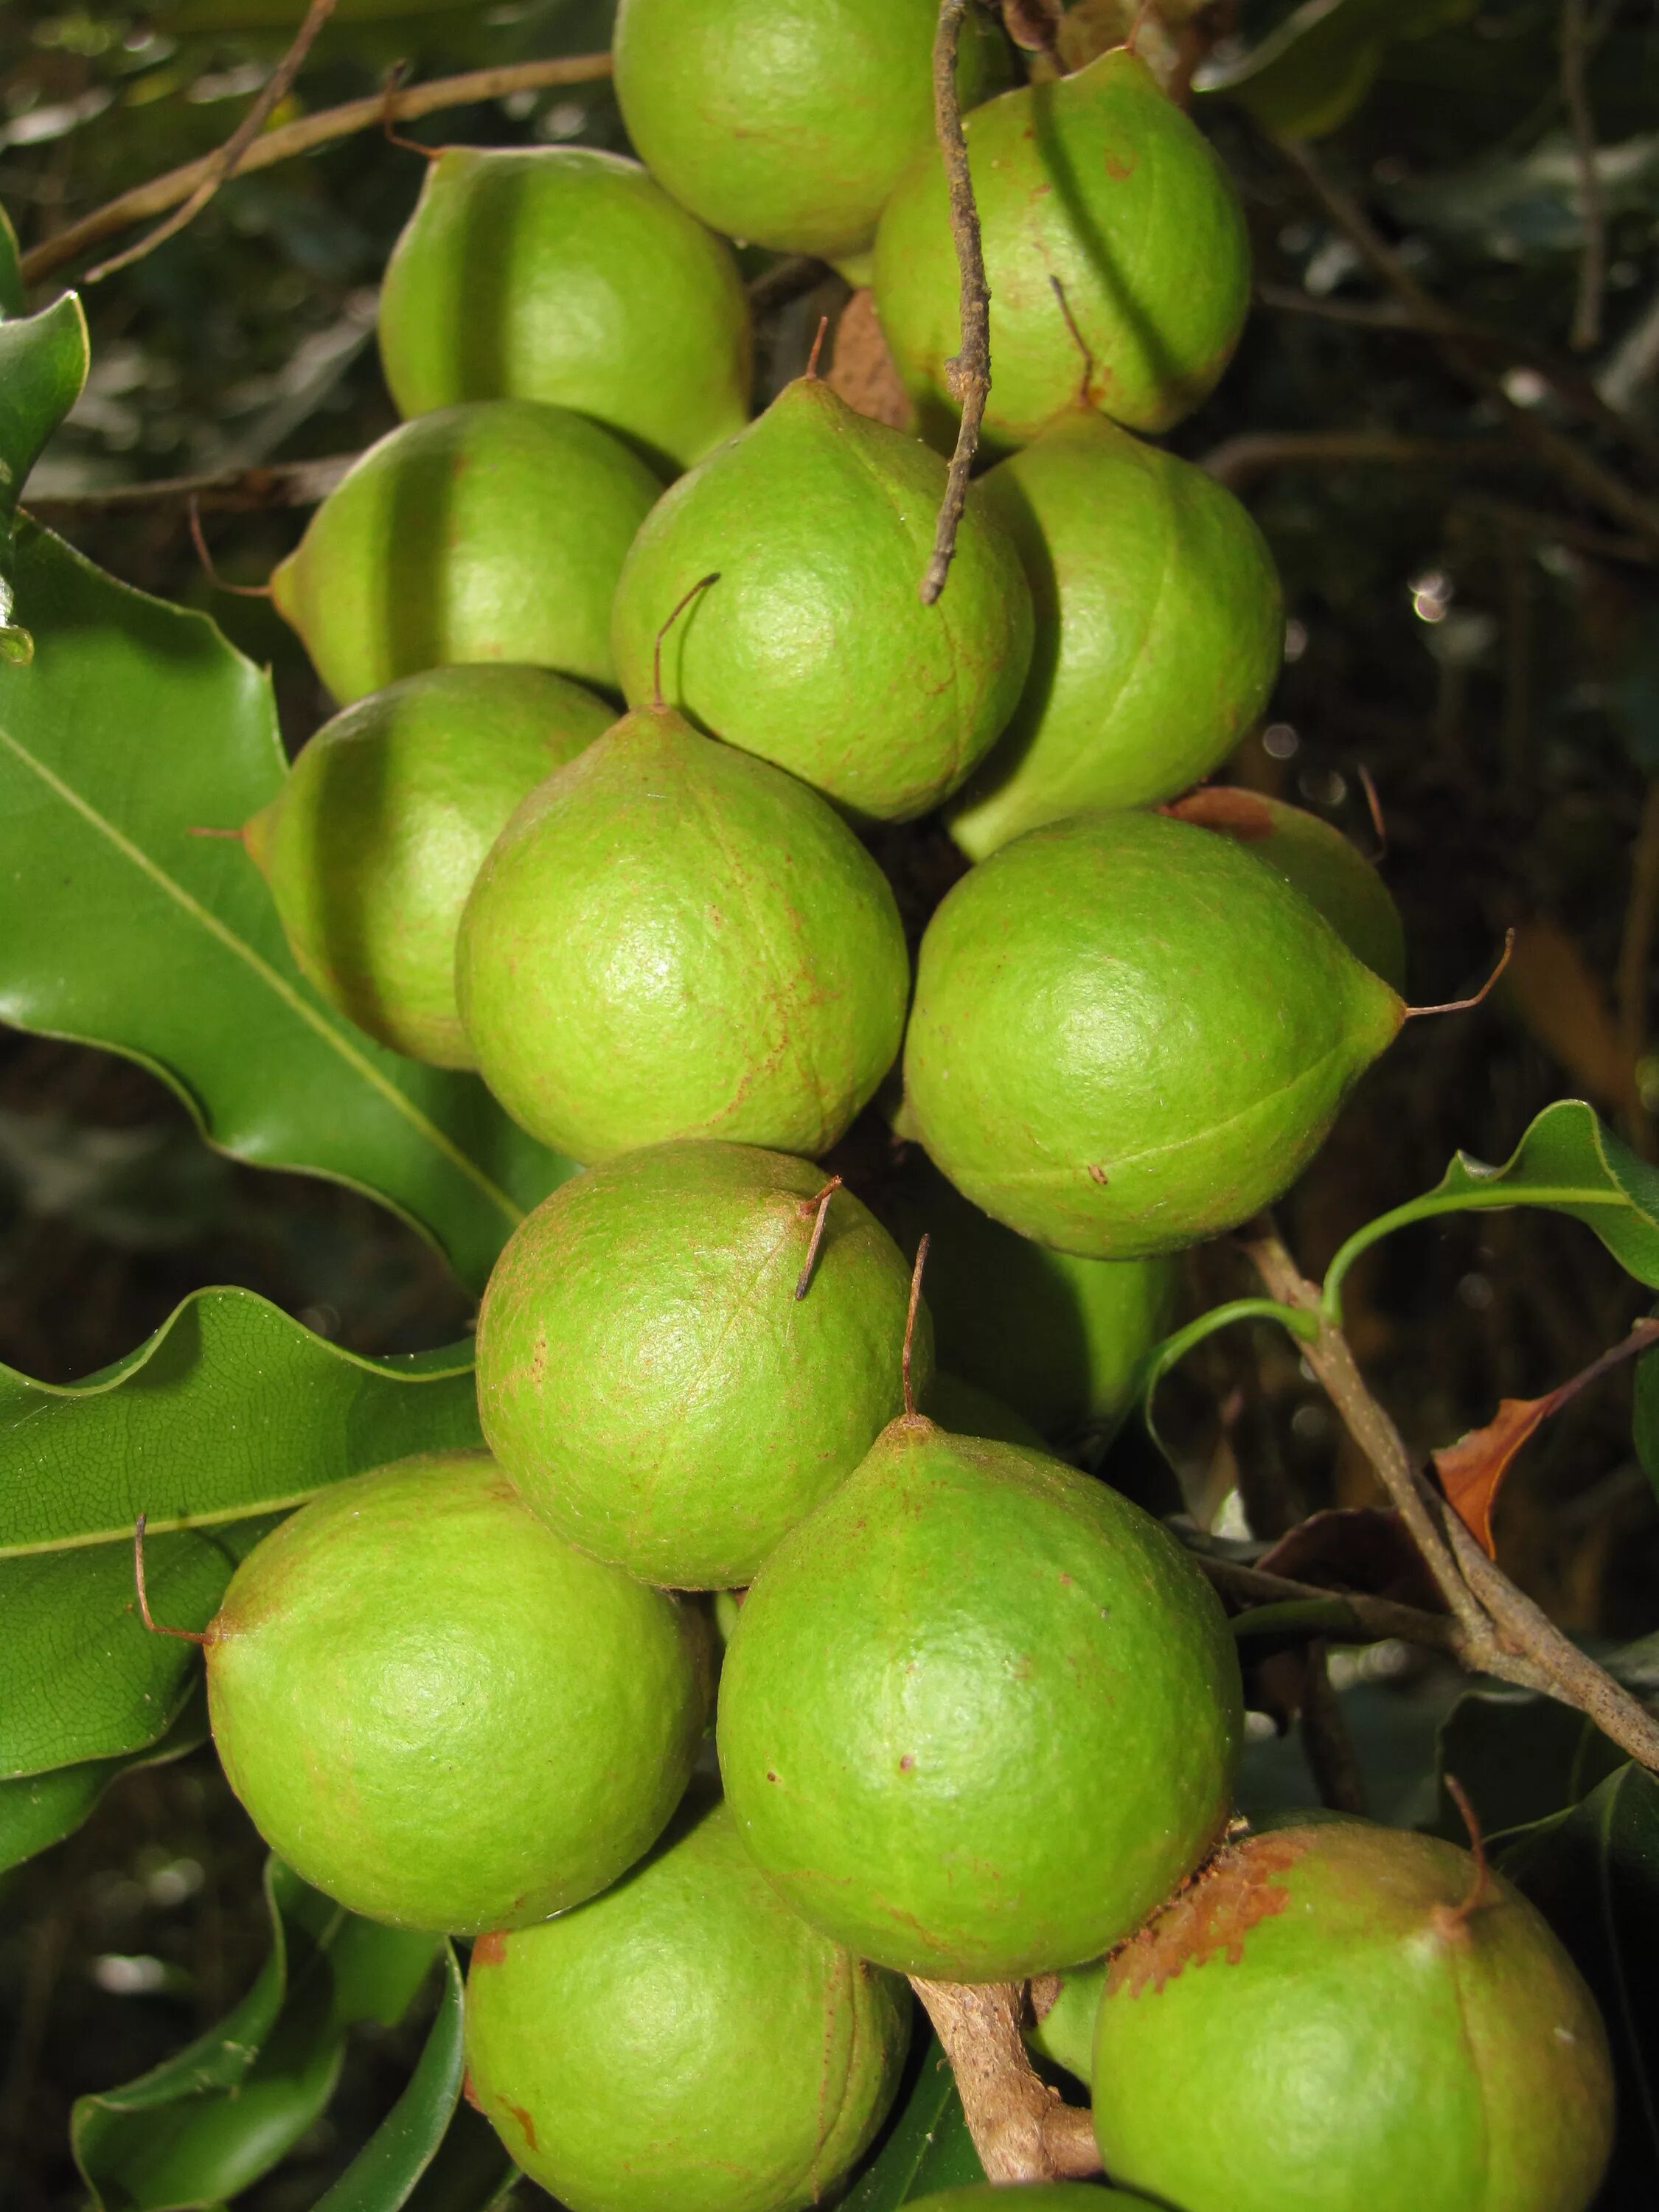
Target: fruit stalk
<point>1504,1633</point>
<point>970,370</point>
<point>1020,2129</point>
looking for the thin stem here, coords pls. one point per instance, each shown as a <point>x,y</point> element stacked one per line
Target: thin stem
<point>1253,453</point>
<point>155,1627</point>
<point>818,1208</point>
<point>218,582</point>
<point>1021,2128</point>
<point>299,137</point>
<point>1593,259</point>
<point>1467,1005</point>
<point>910,1323</point>
<point>674,614</point>
<point>225,491</point>
<point>1281,1607</point>
<point>1331,1757</point>
<point>967,373</point>
<point>227,160</point>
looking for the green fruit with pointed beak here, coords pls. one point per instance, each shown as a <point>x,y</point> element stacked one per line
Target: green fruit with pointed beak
<point>815,650</point>
<point>670,939</point>
<point>566,275</point>
<point>979,1713</point>
<point>1157,635</point>
<point>441,1714</point>
<point>1129,1035</point>
<point>493,530</point>
<point>684,2042</point>
<point>787,123</point>
<point>1340,2018</point>
<point>650,1379</point>
<point>372,844</point>
<point>1115,245</point>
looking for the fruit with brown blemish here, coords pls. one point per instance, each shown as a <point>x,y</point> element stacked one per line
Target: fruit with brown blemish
<point>979,1713</point>
<point>493,530</point>
<point>649,1377</point>
<point>684,2042</point>
<point>1342,2018</point>
<point>1114,246</point>
<point>439,1713</point>
<point>671,938</point>
<point>372,844</point>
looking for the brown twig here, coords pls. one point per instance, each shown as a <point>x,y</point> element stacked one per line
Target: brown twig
<point>1575,96</point>
<point>968,373</point>
<point>299,137</point>
<point>1022,2129</point>
<point>1467,1005</point>
<point>155,1627</point>
<point>229,158</point>
<point>232,492</point>
<point>1375,1620</point>
<point>818,1209</point>
<point>910,1323</point>
<point>1235,460</point>
<point>1504,1633</point>
<point>1563,454</point>
<point>1325,1739</point>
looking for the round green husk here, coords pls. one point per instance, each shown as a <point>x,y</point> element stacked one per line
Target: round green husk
<point>1099,182</point>
<point>649,1379</point>
<point>1316,2025</point>
<point>1127,1034</point>
<point>1319,861</point>
<point>1066,2032</point>
<point>372,844</point>
<point>493,530</point>
<point>979,1713</point>
<point>1060,1339</point>
<point>814,649</point>
<point>1159,624</point>
<point>670,939</point>
<point>684,2042</point>
<point>566,275</point>
<point>439,1713</point>
<point>785,123</point>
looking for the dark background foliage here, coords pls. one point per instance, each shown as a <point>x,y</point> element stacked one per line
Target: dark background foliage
<point>1470,624</point>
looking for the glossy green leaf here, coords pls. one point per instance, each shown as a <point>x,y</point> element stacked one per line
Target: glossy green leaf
<point>135,726</point>
<point>1163,1357</point>
<point>1520,1757</point>
<point>43,365</point>
<point>39,1810</point>
<point>1312,72</point>
<point>1568,1162</point>
<point>230,1415</point>
<point>927,2146</point>
<point>383,2175</point>
<point>211,2119</point>
<point>13,300</point>
<point>472,2173</point>
<point>1594,1872</point>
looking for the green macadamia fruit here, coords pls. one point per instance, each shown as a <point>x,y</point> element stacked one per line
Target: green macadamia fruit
<point>1340,2018</point>
<point>1159,624</point>
<point>1316,860</point>
<point>670,939</point>
<point>650,1382</point>
<point>787,123</point>
<point>814,650</point>
<point>439,1713</point>
<point>1098,184</point>
<point>684,2042</point>
<point>1060,1339</point>
<point>566,275</point>
<point>1063,2008</point>
<point>372,844</point>
<point>493,530</point>
<point>1128,1034</point>
<point>980,1714</point>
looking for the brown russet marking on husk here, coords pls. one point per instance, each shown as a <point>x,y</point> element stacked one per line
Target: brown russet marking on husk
<point>1222,807</point>
<point>1212,1915</point>
<point>489,1950</point>
<point>526,2123</point>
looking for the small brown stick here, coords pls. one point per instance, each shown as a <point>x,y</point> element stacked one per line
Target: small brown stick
<point>155,1627</point>
<point>1504,1633</point>
<point>1375,1620</point>
<point>218,582</point>
<point>1575,95</point>
<point>1379,821</point>
<point>389,131</point>
<point>819,1208</point>
<point>1451,1919</point>
<point>1022,2129</point>
<point>1236,460</point>
<point>299,137</point>
<point>967,373</point>
<point>225,491</point>
<point>1465,1005</point>
<point>1325,1739</point>
<point>812,369</point>
<point>910,1323</point>
<point>228,159</point>
<point>675,612</point>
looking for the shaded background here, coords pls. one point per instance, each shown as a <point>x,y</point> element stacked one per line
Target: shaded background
<point>1472,621</point>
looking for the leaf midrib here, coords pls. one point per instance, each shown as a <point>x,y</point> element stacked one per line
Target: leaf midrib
<point>214,1518</point>
<point>278,984</point>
